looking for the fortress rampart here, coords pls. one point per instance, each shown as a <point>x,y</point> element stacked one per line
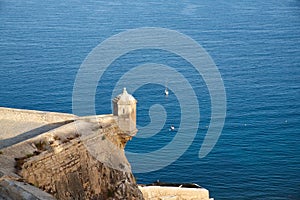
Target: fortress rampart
<point>48,155</point>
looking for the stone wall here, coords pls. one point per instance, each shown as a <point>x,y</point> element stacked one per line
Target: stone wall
<point>18,125</point>
<point>90,164</point>
<point>174,193</point>
<point>34,115</point>
<point>70,157</point>
<point>74,174</point>
<point>66,156</point>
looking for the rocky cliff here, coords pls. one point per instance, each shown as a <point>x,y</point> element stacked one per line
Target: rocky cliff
<point>75,158</point>
<point>47,156</point>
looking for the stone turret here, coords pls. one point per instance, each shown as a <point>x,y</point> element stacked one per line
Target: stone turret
<point>124,108</point>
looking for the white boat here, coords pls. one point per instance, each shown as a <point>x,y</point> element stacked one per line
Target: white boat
<point>172,128</point>
<point>166,92</point>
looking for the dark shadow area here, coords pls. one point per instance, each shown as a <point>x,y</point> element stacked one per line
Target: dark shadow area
<point>181,185</point>
<point>30,134</point>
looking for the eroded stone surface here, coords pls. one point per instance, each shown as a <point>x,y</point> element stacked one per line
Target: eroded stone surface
<point>68,157</point>
<point>79,158</point>
<point>13,189</point>
<point>74,173</point>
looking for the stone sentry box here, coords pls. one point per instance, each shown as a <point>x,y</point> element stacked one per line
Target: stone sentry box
<point>124,108</point>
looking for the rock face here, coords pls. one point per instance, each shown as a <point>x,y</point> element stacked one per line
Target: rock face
<point>79,158</point>
<point>74,173</point>
<point>47,156</point>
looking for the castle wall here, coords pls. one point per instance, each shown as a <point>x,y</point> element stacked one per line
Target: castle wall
<point>72,157</point>
<point>24,124</point>
<point>74,173</point>
<point>22,115</point>
<point>83,159</point>
<point>174,193</point>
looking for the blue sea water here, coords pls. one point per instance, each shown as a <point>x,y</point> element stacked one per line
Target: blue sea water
<point>255,45</point>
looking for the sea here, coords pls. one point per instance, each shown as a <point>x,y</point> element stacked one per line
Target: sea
<point>255,46</point>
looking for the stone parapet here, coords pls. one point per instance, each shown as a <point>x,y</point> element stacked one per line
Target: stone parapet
<point>174,193</point>
<point>22,115</point>
<point>72,157</point>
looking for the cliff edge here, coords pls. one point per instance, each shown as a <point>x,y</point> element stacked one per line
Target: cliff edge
<point>64,157</point>
<point>48,155</point>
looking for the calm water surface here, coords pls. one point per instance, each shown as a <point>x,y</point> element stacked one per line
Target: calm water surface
<point>256,46</point>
